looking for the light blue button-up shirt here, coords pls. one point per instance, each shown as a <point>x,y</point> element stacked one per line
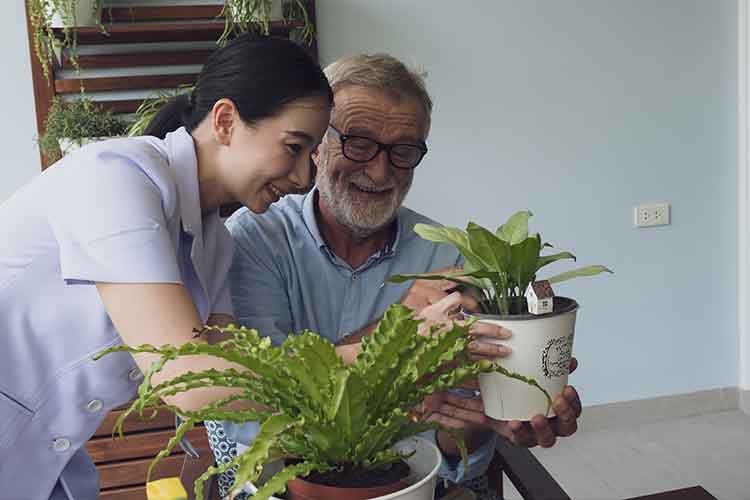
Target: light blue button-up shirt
<point>121,211</point>
<point>284,278</point>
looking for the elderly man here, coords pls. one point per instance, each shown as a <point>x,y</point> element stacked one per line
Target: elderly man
<point>318,261</point>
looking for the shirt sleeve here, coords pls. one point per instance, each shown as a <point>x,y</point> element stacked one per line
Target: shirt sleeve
<point>109,222</point>
<point>258,288</point>
<point>452,468</point>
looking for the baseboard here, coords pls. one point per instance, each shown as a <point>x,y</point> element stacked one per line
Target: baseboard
<point>643,411</point>
<point>744,401</point>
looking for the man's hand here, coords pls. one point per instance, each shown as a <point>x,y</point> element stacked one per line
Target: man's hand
<point>544,431</point>
<point>486,343</point>
<point>424,293</point>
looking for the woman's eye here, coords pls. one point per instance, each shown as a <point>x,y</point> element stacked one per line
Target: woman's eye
<point>294,148</point>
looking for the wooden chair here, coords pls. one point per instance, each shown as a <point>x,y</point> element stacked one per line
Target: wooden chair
<point>526,473</point>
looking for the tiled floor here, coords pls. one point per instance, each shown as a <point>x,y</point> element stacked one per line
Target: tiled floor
<point>710,450</point>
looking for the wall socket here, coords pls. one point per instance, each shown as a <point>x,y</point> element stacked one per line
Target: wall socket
<point>653,214</point>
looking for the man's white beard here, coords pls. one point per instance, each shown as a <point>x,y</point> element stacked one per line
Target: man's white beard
<point>353,210</point>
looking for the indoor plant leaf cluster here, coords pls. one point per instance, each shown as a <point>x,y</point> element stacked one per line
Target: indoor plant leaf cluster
<point>499,266</point>
<point>77,120</point>
<point>327,414</point>
<point>242,16</point>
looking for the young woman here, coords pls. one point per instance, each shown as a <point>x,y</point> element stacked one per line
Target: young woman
<point>121,242</point>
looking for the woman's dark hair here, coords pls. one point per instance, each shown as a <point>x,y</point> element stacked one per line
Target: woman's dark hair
<point>259,74</point>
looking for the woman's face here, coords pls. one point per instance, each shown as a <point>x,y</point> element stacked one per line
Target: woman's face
<point>271,158</point>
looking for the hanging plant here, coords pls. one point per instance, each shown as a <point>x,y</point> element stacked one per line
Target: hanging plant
<point>255,16</point>
<point>47,15</point>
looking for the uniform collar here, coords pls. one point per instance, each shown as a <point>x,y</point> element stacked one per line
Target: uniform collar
<point>184,162</point>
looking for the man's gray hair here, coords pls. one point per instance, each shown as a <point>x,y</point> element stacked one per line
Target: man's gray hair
<point>380,71</point>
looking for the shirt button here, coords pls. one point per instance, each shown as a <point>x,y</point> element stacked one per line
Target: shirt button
<point>94,405</point>
<point>134,374</point>
<point>354,277</point>
<point>61,444</point>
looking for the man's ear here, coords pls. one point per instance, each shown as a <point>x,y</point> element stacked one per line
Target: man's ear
<point>224,117</point>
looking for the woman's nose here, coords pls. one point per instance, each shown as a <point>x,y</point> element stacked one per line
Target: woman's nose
<point>302,175</point>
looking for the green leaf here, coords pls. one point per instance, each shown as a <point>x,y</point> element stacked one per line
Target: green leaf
<point>458,278</point>
<point>451,235</point>
<point>583,271</point>
<point>516,229</point>
<point>252,460</point>
<point>494,253</point>
<point>549,259</point>
<point>525,256</point>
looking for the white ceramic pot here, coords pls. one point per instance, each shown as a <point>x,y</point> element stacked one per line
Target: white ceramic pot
<point>85,13</point>
<point>542,347</point>
<point>424,465</point>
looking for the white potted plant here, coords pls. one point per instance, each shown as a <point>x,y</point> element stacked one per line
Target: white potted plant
<point>341,431</point>
<point>499,268</point>
<point>75,123</point>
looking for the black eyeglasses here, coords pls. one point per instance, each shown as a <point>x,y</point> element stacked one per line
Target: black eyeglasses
<point>363,149</point>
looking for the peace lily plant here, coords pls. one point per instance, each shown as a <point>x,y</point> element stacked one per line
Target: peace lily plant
<point>499,266</point>
<point>328,415</point>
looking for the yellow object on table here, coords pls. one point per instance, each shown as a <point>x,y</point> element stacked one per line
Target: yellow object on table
<point>166,489</point>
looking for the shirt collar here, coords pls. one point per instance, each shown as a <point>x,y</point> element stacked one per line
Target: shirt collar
<point>311,221</point>
<point>184,162</point>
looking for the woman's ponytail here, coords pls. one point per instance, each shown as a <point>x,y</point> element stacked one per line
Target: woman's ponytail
<point>175,113</point>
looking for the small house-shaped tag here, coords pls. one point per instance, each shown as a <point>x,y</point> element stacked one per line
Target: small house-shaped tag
<point>540,297</point>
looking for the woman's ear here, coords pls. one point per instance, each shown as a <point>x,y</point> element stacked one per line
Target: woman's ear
<point>224,116</point>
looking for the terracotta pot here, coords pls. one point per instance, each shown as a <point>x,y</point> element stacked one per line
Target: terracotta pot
<point>424,462</point>
<point>301,489</point>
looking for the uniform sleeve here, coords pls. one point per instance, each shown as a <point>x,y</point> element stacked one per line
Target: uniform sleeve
<point>258,288</point>
<point>109,221</point>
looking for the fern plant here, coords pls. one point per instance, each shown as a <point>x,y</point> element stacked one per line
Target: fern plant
<point>499,266</point>
<point>325,413</point>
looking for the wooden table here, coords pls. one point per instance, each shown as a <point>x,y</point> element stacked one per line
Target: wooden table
<point>694,493</point>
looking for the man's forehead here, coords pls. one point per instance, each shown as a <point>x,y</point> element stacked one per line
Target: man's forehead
<point>367,103</point>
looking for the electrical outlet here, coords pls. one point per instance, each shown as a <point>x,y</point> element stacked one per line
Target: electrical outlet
<point>653,214</point>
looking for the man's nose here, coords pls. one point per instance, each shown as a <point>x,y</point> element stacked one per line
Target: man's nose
<point>379,169</point>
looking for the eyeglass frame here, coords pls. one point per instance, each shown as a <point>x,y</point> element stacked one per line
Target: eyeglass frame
<point>381,147</point>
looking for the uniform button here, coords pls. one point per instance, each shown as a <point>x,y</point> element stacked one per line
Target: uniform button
<point>354,277</point>
<point>61,444</point>
<point>94,405</point>
<point>134,374</point>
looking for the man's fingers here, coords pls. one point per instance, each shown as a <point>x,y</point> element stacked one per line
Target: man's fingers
<point>490,331</point>
<point>450,422</point>
<point>473,404</point>
<point>469,416</point>
<point>487,350</point>
<point>571,395</point>
<point>543,431</point>
<point>564,423</point>
<point>573,365</point>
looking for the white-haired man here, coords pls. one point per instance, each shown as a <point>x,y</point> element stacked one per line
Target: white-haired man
<point>318,261</point>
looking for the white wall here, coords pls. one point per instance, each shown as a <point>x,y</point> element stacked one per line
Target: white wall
<point>20,156</point>
<point>578,110</point>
